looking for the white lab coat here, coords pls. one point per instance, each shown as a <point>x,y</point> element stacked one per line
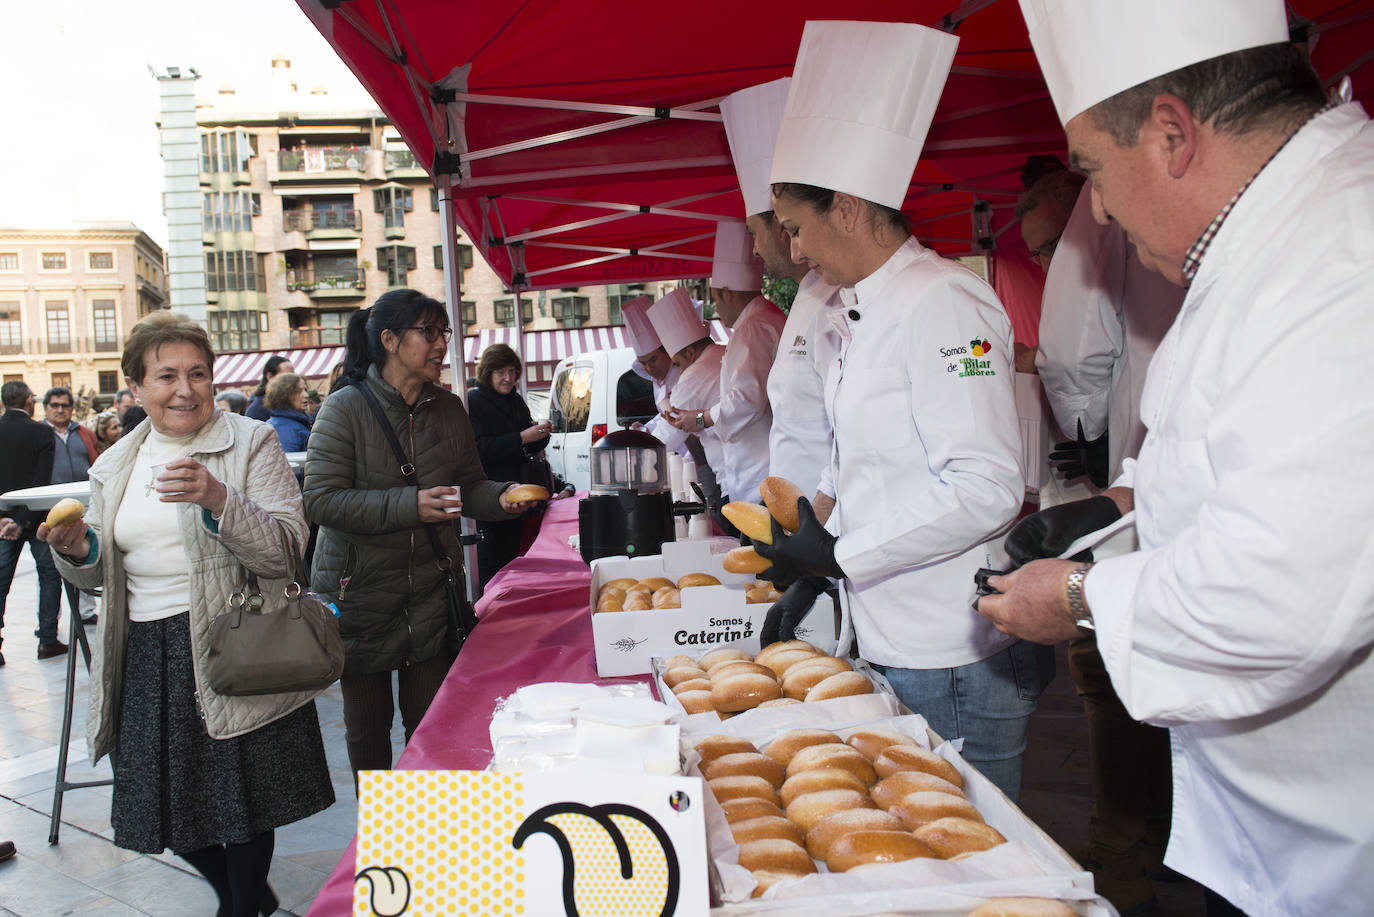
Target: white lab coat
<point>658,425</point>
<point>697,388</point>
<point>1103,315</point>
<point>799,442</point>
<point>927,460</point>
<point>1245,621</point>
<point>743,417</point>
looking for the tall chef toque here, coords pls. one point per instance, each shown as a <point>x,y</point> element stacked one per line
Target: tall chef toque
<point>751,119</point>
<point>643,337</point>
<point>676,321</point>
<point>1089,50</point>
<point>734,264</point>
<point>862,98</point>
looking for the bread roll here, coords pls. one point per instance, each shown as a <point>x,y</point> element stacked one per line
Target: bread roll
<point>609,601</point>
<point>841,684</point>
<point>744,808</point>
<point>808,809</point>
<point>724,788</point>
<point>863,848</point>
<point>915,758</point>
<point>780,702</point>
<point>724,654</point>
<point>759,595</point>
<point>743,691</point>
<point>776,855</point>
<point>693,684</point>
<point>696,701</point>
<point>745,560</point>
<point>891,790</point>
<point>1022,907</point>
<point>767,878</point>
<point>765,827</point>
<point>668,597</point>
<point>751,519</point>
<point>526,493</point>
<point>871,742</point>
<point>676,676</point>
<point>714,746</point>
<point>773,648</point>
<point>68,510</point>
<point>639,588</point>
<point>816,780</point>
<point>789,743</point>
<point>780,496</point>
<point>745,763</point>
<point>673,662</point>
<point>836,754</point>
<point>803,676</point>
<point>917,809</point>
<point>625,582</point>
<point>949,837</point>
<point>783,660</point>
<point>689,580</point>
<point>656,582</point>
<point>736,667</point>
<point>837,824</point>
<point>637,601</point>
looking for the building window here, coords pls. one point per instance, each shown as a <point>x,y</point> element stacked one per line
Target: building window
<point>464,257</point>
<point>434,199</point>
<point>332,327</point>
<point>62,379</point>
<point>572,310</point>
<point>103,321</point>
<point>108,382</point>
<point>9,261</point>
<point>617,295</point>
<point>505,311</point>
<point>392,202</point>
<point>396,260</point>
<point>54,261</point>
<point>226,151</point>
<point>59,328</point>
<point>11,338</point>
<point>236,329</point>
<point>230,211</point>
<point>469,313</point>
<point>101,261</point>
<point>231,272</point>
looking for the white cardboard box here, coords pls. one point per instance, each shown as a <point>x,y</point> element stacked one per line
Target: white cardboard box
<point>710,616</point>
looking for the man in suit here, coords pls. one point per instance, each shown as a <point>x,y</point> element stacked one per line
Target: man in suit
<point>26,461</point>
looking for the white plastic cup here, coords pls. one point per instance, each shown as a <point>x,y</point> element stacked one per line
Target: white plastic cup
<point>700,526</point>
<point>157,471</point>
<point>675,472</point>
<point>456,501</point>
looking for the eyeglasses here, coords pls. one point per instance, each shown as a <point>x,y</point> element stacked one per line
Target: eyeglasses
<point>1045,252</point>
<point>433,332</point>
<point>59,405</point>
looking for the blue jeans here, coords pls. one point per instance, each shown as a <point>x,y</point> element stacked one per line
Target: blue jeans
<point>986,703</point>
<point>49,583</point>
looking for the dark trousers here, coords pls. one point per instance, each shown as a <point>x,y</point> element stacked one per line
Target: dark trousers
<point>49,583</point>
<point>499,546</point>
<point>1131,775</point>
<point>369,709</point>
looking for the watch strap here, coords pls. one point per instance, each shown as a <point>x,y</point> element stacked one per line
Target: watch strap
<point>1078,607</point>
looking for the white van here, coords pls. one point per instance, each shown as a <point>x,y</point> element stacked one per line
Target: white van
<point>593,394</point>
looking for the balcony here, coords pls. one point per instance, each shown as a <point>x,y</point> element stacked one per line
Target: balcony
<point>324,224</point>
<point>402,164</point>
<point>314,163</point>
<point>331,285</point>
<point>317,336</point>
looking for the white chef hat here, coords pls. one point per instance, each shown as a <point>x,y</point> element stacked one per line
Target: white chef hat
<point>735,264</point>
<point>1089,50</point>
<point>862,98</point>
<point>751,119</point>
<point>677,321</point>
<point>643,337</point>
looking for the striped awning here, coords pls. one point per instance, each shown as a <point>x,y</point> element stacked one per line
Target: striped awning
<point>541,352</point>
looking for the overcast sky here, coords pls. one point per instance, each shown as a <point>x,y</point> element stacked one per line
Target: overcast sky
<point>77,133</point>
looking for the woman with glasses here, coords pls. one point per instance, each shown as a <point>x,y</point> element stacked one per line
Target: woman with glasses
<point>373,556</point>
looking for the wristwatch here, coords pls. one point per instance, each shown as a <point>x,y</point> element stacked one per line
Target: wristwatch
<point>1078,608</point>
<point>701,419</point>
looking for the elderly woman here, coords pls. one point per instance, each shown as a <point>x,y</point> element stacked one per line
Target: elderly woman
<point>507,439</point>
<point>275,366</point>
<point>181,509</point>
<point>107,430</point>
<point>287,401</point>
<point>374,555</point>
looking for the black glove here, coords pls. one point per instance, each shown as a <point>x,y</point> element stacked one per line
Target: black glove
<point>1075,458</point>
<point>810,552</point>
<point>788,611</point>
<point>1049,532</point>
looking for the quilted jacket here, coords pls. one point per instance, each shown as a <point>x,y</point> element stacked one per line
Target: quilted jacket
<point>262,528</point>
<point>372,556</point>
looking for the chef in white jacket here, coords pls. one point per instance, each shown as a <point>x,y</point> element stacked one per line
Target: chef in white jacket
<point>927,456</point>
<point>1245,620</point>
<point>652,362</point>
<point>741,415</point>
<point>688,339</point>
<point>799,443</point>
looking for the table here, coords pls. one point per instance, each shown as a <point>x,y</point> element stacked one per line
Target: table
<point>534,627</point>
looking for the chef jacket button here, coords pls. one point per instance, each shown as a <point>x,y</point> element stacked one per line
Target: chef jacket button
<point>854,314</point>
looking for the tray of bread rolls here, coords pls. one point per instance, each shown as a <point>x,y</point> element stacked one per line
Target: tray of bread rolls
<point>878,815</point>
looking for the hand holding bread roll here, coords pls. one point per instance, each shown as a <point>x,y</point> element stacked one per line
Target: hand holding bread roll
<point>64,531</point>
<point>780,496</point>
<point>745,560</point>
<point>64,511</point>
<point>751,519</point>
<point>526,493</point>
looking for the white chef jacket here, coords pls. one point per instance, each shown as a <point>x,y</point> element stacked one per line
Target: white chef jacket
<point>697,388</point>
<point>927,459</point>
<point>742,417</point>
<point>1245,621</point>
<point>1103,315</point>
<point>658,424</point>
<point>799,442</point>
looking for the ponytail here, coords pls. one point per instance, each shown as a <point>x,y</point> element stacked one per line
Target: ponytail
<point>356,358</point>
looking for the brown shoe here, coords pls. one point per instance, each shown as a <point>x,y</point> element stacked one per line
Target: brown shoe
<point>6,850</point>
<point>49,650</point>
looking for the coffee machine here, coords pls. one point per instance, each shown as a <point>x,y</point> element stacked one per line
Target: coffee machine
<point>628,509</point>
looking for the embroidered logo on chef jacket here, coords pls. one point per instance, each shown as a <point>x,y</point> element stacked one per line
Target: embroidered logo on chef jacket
<point>968,358</point>
<point>798,346</point>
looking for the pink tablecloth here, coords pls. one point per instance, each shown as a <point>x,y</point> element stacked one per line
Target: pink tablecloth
<point>534,627</point>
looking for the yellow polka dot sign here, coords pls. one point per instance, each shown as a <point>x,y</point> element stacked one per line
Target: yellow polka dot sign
<point>539,845</point>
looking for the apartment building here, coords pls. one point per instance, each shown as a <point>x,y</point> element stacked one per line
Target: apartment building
<point>68,297</point>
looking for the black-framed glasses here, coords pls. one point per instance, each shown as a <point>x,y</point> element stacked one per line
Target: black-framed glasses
<point>432,333</point>
<point>1045,252</point>
<point>61,405</point>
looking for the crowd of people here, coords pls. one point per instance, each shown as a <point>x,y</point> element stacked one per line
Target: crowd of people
<point>1206,263</point>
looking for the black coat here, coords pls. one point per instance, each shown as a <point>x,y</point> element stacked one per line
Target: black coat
<point>26,454</point>
<point>497,422</point>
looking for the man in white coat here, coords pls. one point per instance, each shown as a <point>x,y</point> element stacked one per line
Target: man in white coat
<point>1245,620</point>
<point>652,362</point>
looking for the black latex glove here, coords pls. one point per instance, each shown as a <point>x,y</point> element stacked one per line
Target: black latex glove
<point>1049,532</point>
<point>810,552</point>
<point>1080,456</point>
<point>788,611</point>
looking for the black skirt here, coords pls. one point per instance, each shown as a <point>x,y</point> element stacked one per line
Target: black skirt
<point>175,787</point>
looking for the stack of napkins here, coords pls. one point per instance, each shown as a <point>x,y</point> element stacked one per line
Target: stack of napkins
<point>557,725</point>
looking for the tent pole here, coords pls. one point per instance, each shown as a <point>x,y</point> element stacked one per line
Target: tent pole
<point>458,370</point>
